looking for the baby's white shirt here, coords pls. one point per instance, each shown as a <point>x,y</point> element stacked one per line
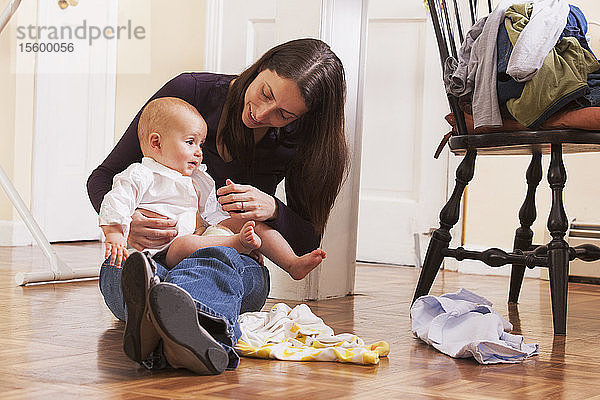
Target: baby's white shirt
<point>155,187</point>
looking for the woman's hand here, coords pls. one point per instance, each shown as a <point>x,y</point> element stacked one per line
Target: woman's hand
<point>246,202</point>
<point>149,230</point>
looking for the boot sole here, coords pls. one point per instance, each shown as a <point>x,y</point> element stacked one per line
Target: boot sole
<point>175,317</point>
<point>139,338</point>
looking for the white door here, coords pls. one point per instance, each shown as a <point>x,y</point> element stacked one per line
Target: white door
<point>239,31</point>
<point>402,187</point>
<point>74,120</point>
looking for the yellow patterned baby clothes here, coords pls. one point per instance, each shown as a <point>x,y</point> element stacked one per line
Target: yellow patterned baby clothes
<point>297,334</point>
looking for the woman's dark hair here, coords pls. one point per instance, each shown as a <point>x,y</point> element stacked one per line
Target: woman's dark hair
<point>315,176</point>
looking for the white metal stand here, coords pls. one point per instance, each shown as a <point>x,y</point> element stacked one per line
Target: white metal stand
<point>8,12</point>
<point>59,270</point>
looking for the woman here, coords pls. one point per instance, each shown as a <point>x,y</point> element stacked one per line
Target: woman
<point>283,117</point>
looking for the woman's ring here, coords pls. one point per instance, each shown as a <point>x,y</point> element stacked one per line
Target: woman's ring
<point>242,203</point>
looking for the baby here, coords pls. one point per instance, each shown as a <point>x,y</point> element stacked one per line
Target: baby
<point>172,181</point>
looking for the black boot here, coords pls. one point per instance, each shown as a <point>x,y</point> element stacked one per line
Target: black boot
<point>140,336</point>
<point>186,343</point>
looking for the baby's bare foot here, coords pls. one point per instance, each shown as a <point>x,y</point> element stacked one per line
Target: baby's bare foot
<point>248,238</point>
<point>306,263</point>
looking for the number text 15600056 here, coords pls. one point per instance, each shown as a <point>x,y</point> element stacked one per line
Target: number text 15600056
<point>44,47</point>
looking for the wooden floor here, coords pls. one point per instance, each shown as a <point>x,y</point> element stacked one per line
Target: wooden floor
<point>60,341</point>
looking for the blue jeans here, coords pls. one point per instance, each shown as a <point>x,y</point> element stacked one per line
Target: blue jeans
<point>222,282</point>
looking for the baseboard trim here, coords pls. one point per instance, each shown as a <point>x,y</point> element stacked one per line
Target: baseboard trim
<point>14,233</point>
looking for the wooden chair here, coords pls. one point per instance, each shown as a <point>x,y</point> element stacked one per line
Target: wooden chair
<point>555,255</point>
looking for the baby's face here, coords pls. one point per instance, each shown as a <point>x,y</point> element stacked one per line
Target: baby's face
<point>181,146</point>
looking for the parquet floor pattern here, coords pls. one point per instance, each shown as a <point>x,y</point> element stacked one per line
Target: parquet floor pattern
<point>60,341</point>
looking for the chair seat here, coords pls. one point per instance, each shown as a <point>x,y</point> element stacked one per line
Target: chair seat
<point>579,130</point>
<point>584,118</point>
<point>527,142</point>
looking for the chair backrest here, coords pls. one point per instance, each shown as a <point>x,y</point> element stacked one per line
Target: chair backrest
<point>450,33</point>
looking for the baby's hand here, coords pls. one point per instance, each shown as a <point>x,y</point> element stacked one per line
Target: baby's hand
<point>116,248</point>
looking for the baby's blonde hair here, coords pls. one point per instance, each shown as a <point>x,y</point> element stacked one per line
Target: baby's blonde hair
<point>158,115</point>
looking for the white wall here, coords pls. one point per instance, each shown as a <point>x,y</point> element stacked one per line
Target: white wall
<point>175,44</point>
<point>16,123</point>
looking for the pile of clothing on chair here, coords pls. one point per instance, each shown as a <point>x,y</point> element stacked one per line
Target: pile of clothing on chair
<point>527,66</point>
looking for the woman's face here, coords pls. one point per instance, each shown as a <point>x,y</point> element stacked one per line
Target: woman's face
<point>272,101</point>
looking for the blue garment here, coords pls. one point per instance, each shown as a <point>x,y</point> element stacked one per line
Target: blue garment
<point>508,88</point>
<point>222,283</point>
<point>577,27</point>
<point>591,99</point>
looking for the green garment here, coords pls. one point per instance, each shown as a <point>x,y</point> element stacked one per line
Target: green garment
<point>561,79</point>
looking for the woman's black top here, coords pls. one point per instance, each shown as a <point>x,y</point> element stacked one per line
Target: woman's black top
<point>273,154</point>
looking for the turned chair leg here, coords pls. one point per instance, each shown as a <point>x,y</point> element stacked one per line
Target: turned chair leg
<point>441,237</point>
<point>524,234</point>
<point>558,249</point>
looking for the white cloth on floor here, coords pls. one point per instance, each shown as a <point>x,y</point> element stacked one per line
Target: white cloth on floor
<point>464,324</point>
<point>297,334</point>
<point>547,22</point>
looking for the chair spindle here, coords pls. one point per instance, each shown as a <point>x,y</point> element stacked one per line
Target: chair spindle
<point>458,21</point>
<point>449,29</point>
